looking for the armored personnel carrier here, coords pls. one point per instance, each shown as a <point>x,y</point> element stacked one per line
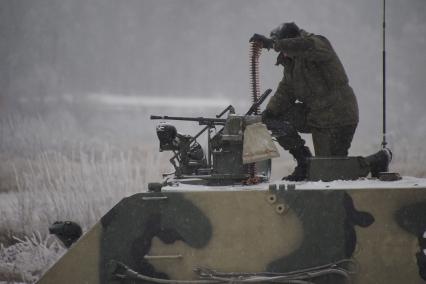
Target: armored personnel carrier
<point>218,218</point>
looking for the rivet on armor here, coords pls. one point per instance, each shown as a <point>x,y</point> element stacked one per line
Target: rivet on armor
<point>281,209</point>
<point>271,198</point>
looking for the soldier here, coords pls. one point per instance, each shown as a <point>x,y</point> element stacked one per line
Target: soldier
<point>314,96</point>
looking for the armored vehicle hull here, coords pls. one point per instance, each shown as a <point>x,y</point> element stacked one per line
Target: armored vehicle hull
<point>360,231</point>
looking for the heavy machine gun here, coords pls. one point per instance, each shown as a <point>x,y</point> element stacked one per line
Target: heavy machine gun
<point>223,163</point>
<point>200,120</point>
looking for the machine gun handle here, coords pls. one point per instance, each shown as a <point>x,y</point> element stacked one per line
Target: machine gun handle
<point>230,108</point>
<point>261,99</point>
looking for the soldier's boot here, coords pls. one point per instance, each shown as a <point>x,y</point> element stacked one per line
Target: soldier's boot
<point>301,156</point>
<point>379,162</point>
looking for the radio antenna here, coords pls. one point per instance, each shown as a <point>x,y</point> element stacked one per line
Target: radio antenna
<point>384,143</point>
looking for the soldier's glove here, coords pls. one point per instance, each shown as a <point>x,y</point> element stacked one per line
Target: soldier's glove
<point>266,42</point>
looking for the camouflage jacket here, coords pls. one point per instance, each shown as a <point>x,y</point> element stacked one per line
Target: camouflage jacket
<point>314,75</point>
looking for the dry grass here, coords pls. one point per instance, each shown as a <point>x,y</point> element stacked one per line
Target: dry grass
<point>29,258</point>
<point>50,172</point>
<point>53,187</point>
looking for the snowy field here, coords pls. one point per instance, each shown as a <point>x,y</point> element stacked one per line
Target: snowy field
<point>53,169</point>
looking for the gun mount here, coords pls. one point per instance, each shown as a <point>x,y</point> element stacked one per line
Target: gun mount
<point>224,162</point>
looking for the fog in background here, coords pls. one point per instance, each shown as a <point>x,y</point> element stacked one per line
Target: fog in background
<point>57,57</point>
<point>79,79</point>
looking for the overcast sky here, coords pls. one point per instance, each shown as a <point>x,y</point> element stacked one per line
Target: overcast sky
<point>200,48</point>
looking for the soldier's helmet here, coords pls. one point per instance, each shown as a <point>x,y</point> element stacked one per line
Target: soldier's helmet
<point>166,133</point>
<point>285,30</point>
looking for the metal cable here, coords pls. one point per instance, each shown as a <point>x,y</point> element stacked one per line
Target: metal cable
<point>348,265</point>
<point>121,271</point>
<point>209,276</point>
<point>343,268</point>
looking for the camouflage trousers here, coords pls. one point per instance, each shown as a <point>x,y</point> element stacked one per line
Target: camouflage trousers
<point>334,141</point>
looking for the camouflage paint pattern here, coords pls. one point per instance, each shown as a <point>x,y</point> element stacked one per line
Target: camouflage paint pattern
<point>254,229</point>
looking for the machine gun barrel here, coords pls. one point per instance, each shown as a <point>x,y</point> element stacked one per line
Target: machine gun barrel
<point>200,120</point>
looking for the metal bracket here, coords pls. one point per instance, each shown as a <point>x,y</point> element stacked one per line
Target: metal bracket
<point>155,257</point>
<point>152,198</point>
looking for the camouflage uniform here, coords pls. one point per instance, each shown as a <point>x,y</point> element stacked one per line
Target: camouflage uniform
<point>314,95</point>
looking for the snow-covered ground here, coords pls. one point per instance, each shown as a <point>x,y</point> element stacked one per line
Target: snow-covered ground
<point>29,258</point>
